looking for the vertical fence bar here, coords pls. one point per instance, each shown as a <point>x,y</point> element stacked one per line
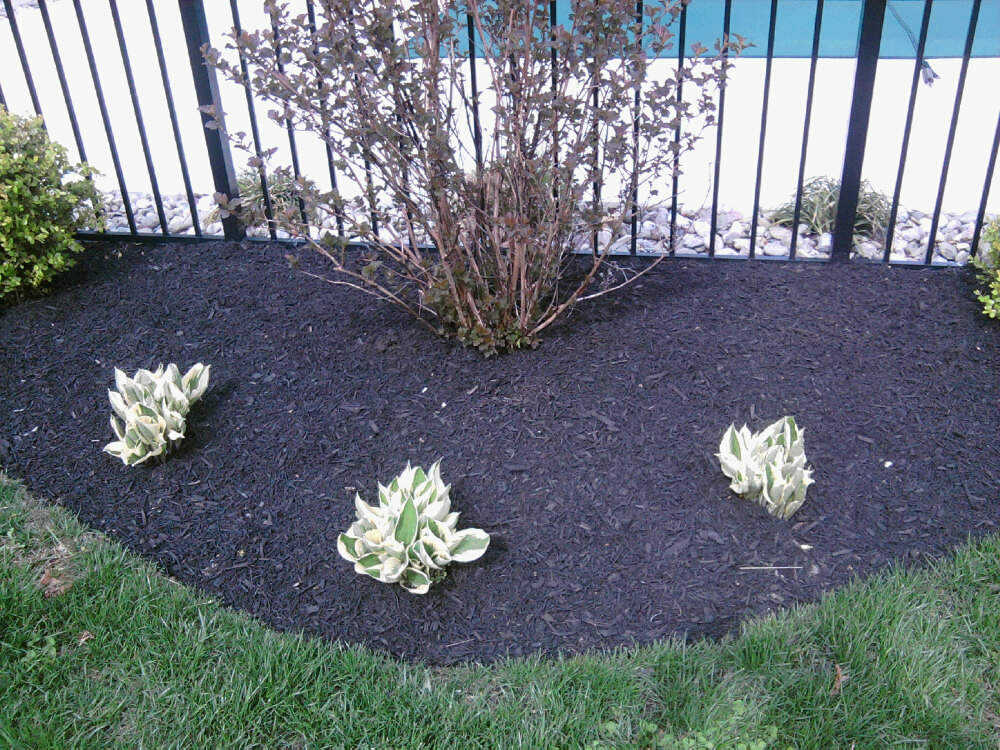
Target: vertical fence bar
<point>61,74</point>
<point>595,143</point>
<point>161,62</point>
<point>966,54</point>
<point>292,147</point>
<point>401,145</point>
<point>726,18</point>
<point>311,10</point>
<point>635,138</point>
<point>553,17</point>
<point>991,166</point>
<point>595,85</point>
<point>763,126</point>
<point>254,129</point>
<point>677,135</point>
<point>3,100</point>
<point>206,88</point>
<point>19,45</point>
<point>890,229</point>
<point>817,28</point>
<point>64,86</point>
<point>102,105</point>
<point>477,130</point>
<point>365,151</point>
<point>869,44</point>
<point>477,134</point>
<point>134,97</point>
<point>370,190</point>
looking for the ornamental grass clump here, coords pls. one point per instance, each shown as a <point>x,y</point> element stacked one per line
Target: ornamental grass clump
<point>153,407</point>
<point>767,467</point>
<point>410,537</point>
<point>252,206</point>
<point>386,86</point>
<point>818,211</point>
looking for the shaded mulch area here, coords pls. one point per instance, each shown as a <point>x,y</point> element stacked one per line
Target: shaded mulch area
<point>589,460</point>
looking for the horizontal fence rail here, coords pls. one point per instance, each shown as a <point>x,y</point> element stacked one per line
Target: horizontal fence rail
<point>178,29</point>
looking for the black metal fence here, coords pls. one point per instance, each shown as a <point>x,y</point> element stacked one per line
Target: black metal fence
<point>196,33</point>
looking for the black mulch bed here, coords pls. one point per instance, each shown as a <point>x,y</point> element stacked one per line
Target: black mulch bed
<point>589,460</point>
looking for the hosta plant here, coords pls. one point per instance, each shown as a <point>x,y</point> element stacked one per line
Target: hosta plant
<point>768,467</point>
<point>153,407</point>
<point>410,537</point>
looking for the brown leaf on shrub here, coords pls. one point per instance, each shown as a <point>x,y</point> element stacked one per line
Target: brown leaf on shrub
<point>52,586</point>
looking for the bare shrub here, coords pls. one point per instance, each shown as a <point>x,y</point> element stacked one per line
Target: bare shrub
<point>468,204</point>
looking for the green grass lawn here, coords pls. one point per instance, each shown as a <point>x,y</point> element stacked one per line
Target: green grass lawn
<point>99,649</point>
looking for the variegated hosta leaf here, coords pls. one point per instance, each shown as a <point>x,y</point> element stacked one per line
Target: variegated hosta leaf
<point>769,466</point>
<point>730,453</point>
<point>151,426</point>
<point>118,405</point>
<point>785,490</point>
<point>140,439</point>
<point>416,581</point>
<point>167,393</point>
<point>409,537</point>
<point>132,391</point>
<point>406,526</point>
<point>469,544</point>
<point>117,427</point>
<point>195,382</point>
<point>392,569</point>
<point>432,549</point>
<point>737,456</point>
<point>153,406</point>
<point>772,432</point>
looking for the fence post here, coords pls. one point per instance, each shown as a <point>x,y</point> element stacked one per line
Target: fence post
<point>857,129</point>
<point>206,88</point>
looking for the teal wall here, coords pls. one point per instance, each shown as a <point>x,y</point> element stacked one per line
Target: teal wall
<point>841,26</point>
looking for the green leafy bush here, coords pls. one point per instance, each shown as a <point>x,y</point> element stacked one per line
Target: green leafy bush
<point>820,197</point>
<point>987,262</point>
<point>153,407</point>
<point>44,199</point>
<point>410,537</point>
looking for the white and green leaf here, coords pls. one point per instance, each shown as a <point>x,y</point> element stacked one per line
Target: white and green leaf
<point>410,537</point>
